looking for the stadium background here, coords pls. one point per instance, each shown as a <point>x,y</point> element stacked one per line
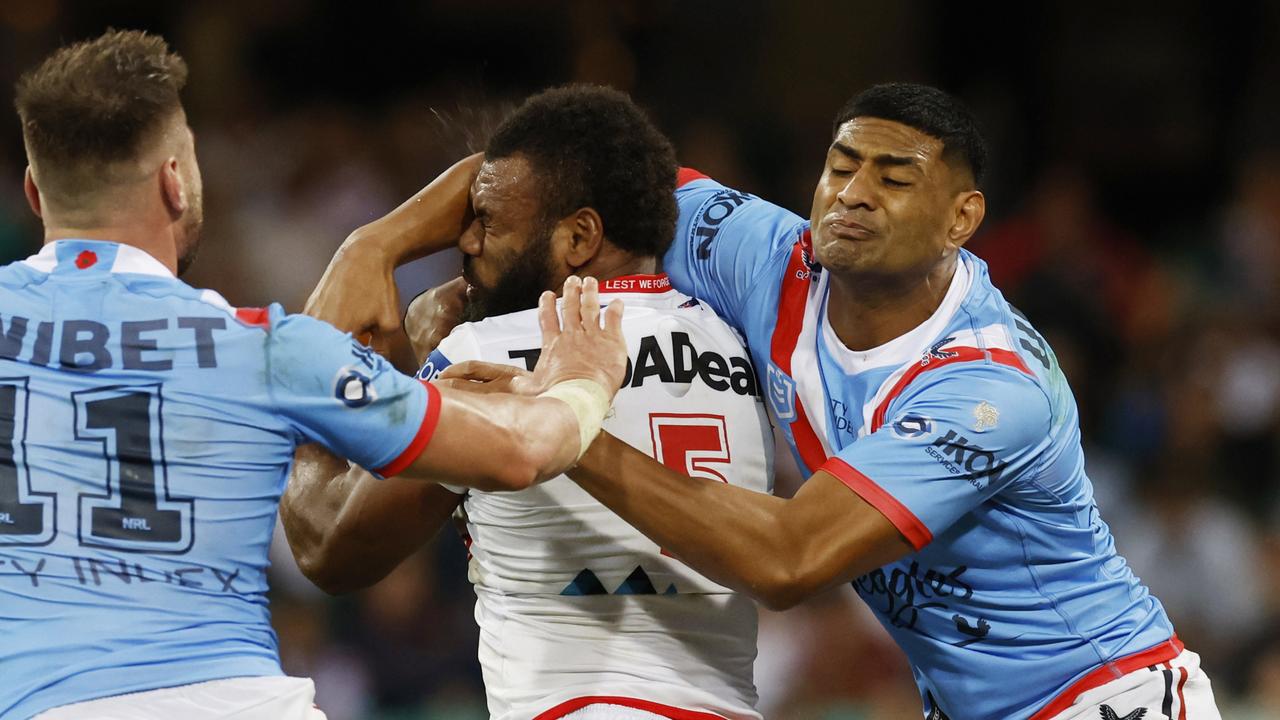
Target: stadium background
<point>1134,216</point>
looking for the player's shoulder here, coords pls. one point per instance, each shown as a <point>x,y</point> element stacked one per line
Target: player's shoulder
<point>493,338</point>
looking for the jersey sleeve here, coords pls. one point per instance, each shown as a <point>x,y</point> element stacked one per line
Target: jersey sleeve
<point>947,445</point>
<point>343,395</point>
<point>459,346</point>
<point>725,241</point>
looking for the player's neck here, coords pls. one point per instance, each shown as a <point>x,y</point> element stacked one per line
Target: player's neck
<point>610,265</point>
<point>158,244</point>
<point>867,312</point>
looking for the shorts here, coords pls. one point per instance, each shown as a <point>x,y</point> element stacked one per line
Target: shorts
<point>244,698</point>
<point>1177,689</point>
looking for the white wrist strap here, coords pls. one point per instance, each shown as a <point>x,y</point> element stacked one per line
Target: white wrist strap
<point>589,402</point>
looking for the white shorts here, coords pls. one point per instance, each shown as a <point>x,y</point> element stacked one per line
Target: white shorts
<point>245,698</point>
<point>1177,689</point>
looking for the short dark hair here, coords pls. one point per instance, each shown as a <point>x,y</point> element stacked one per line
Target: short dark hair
<point>95,102</point>
<point>927,109</point>
<point>592,146</point>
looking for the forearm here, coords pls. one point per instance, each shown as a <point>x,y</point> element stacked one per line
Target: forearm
<point>733,536</point>
<point>779,552</point>
<point>347,529</point>
<point>499,442</point>
<point>430,221</point>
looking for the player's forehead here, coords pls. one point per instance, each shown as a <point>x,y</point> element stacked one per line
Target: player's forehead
<point>504,181</point>
<point>871,137</point>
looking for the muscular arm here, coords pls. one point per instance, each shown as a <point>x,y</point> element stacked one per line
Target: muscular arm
<point>348,529</point>
<point>357,292</point>
<point>778,551</point>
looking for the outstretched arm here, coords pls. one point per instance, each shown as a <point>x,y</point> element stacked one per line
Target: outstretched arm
<point>357,292</point>
<point>348,529</point>
<point>778,551</point>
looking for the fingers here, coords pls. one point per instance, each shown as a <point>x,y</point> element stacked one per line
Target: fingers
<point>547,320</point>
<point>479,371</point>
<point>571,308</point>
<point>613,318</point>
<point>590,305</point>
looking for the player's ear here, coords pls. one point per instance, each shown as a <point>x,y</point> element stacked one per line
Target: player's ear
<point>172,188</point>
<point>585,235</point>
<point>32,192</point>
<point>968,210</point>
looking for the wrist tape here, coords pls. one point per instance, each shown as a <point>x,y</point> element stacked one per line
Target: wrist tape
<point>589,402</point>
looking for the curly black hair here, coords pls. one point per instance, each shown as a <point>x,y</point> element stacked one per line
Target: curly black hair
<point>927,109</point>
<point>591,146</point>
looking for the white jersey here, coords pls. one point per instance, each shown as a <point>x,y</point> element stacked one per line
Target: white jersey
<point>572,602</point>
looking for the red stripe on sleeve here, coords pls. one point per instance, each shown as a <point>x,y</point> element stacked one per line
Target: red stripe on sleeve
<point>685,175</point>
<point>916,532</point>
<point>420,440</point>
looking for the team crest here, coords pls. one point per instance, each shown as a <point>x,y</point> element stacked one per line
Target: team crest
<point>782,394</point>
<point>985,416</point>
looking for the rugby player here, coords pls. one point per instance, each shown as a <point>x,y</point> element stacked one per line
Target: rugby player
<point>942,441</point>
<point>580,615</point>
<point>147,427</point>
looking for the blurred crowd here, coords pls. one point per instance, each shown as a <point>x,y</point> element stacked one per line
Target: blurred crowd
<point>1135,218</point>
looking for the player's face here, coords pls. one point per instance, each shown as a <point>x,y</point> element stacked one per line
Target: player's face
<point>885,202</point>
<point>507,249</point>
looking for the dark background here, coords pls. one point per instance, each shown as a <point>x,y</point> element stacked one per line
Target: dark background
<point>1134,215</point>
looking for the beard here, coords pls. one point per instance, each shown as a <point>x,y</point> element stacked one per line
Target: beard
<point>518,287</point>
<point>192,226</point>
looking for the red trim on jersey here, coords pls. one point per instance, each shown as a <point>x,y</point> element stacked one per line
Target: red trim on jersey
<point>685,175</point>
<point>258,317</point>
<point>915,531</point>
<point>1182,701</point>
<point>1107,672</point>
<point>658,283</point>
<point>420,440</point>
<point>666,711</point>
<point>962,354</point>
<point>786,333</point>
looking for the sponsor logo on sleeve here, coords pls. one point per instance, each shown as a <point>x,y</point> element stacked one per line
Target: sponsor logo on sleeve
<point>713,212</point>
<point>354,388</point>
<point>436,364</point>
<point>911,426</point>
<point>967,460</point>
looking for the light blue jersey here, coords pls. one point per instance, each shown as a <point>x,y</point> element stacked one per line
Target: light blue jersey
<point>146,433</point>
<point>965,435</point>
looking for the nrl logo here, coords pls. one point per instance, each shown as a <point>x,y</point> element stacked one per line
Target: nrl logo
<point>985,416</point>
<point>782,390</point>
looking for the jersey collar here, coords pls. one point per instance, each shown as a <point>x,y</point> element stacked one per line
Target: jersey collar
<point>658,283</point>
<point>84,254</point>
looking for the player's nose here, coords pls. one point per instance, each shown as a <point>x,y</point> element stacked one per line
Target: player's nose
<point>471,241</point>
